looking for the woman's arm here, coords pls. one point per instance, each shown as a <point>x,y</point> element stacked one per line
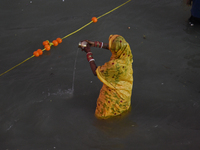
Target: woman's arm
<point>105,46</point>
<point>98,44</point>
<point>90,59</point>
<point>93,66</point>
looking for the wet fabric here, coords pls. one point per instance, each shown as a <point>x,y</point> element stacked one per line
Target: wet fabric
<point>195,11</point>
<point>117,78</point>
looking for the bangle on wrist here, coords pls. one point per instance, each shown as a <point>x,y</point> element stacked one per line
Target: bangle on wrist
<point>101,45</point>
<point>98,44</point>
<point>89,57</point>
<point>91,60</point>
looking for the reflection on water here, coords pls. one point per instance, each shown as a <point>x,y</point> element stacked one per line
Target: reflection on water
<point>117,127</point>
<point>195,30</point>
<point>193,60</point>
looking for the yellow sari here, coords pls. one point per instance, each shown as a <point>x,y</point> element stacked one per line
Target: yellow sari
<point>117,78</point>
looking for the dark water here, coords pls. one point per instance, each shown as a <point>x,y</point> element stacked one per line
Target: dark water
<point>45,105</point>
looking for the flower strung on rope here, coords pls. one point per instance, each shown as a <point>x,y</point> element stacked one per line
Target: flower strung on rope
<point>94,19</point>
<point>47,46</point>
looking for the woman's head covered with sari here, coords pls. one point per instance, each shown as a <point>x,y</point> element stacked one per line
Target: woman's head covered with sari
<point>117,78</point>
<point>119,46</point>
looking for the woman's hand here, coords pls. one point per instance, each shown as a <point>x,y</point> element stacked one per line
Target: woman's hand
<point>90,42</point>
<point>87,49</point>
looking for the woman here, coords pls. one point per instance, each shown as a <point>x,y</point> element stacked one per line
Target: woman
<point>116,75</point>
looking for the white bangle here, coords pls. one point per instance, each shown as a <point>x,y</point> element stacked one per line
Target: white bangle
<point>91,60</point>
<point>102,45</point>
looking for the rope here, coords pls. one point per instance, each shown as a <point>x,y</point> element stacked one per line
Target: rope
<point>77,30</point>
<point>68,35</point>
<point>113,9</point>
<point>17,65</point>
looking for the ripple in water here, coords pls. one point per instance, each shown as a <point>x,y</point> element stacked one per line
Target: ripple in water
<point>62,92</point>
<point>69,92</point>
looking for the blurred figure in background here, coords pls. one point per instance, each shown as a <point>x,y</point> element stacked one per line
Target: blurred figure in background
<point>195,11</point>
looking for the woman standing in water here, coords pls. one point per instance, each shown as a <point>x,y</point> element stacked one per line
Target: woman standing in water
<point>116,75</point>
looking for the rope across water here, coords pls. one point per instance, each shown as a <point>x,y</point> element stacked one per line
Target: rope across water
<point>59,40</point>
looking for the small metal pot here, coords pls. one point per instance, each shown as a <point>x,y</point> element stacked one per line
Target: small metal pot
<point>82,44</point>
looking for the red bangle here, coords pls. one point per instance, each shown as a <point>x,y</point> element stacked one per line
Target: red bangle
<point>89,57</point>
<point>98,44</point>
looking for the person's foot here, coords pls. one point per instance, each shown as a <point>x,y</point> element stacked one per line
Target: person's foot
<point>193,20</point>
